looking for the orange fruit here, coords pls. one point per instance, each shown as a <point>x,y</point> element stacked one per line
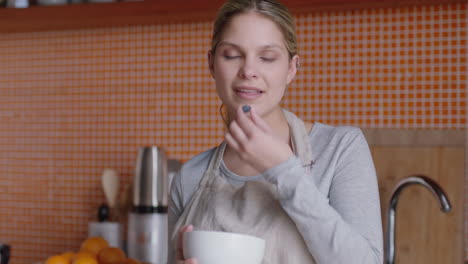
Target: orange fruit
<point>85,260</point>
<point>68,255</point>
<point>94,244</point>
<point>132,261</point>
<point>57,259</point>
<point>83,253</point>
<point>111,255</point>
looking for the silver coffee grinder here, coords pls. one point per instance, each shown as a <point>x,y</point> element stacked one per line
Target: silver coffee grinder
<point>147,235</point>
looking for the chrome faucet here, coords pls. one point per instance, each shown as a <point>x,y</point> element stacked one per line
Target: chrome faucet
<point>410,180</point>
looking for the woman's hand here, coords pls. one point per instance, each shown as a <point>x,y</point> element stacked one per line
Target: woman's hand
<point>255,142</point>
<point>180,251</point>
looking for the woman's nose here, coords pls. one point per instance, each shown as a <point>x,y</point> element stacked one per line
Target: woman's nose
<point>248,70</point>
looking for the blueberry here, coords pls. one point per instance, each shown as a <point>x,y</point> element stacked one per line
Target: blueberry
<point>246,108</point>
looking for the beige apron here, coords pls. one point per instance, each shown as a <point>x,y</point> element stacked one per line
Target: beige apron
<point>251,208</point>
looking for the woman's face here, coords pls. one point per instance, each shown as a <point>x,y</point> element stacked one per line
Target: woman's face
<point>251,65</point>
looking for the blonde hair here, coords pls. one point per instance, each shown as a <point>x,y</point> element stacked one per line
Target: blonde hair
<point>271,9</point>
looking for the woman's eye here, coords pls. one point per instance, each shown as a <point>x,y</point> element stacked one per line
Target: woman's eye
<point>231,54</point>
<point>231,57</point>
<point>267,59</point>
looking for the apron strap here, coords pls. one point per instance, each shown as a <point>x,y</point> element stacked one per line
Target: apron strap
<point>299,135</point>
<point>214,164</point>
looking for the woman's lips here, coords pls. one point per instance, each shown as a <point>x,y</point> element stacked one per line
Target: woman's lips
<point>248,93</point>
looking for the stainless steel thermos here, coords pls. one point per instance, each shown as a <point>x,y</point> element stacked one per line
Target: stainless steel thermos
<point>147,235</point>
<point>151,183</point>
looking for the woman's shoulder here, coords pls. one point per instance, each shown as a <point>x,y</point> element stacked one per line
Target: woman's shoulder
<point>328,141</point>
<point>198,163</point>
<point>325,131</point>
<point>187,180</point>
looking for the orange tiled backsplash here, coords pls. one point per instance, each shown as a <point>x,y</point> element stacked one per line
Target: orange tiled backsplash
<point>75,102</point>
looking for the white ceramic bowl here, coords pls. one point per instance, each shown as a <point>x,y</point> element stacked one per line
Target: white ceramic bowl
<point>210,247</point>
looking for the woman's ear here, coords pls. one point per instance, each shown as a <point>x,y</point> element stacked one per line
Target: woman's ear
<point>292,70</point>
<point>211,62</point>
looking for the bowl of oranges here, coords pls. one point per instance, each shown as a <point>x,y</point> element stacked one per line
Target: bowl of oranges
<point>94,250</point>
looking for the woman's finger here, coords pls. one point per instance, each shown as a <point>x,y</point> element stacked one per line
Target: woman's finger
<point>180,252</point>
<point>244,122</point>
<point>237,132</point>
<point>258,121</point>
<point>231,141</point>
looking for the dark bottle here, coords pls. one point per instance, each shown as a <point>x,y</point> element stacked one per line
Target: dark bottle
<point>4,253</point>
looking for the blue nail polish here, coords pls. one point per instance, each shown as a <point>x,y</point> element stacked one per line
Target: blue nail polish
<point>246,108</point>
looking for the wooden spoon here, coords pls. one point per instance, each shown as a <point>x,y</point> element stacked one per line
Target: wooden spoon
<point>110,185</point>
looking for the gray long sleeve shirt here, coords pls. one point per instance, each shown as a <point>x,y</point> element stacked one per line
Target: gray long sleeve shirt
<point>337,210</point>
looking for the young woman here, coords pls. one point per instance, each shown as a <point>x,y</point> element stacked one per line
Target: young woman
<point>310,190</point>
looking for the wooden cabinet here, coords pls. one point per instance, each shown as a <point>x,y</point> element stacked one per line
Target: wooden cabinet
<point>424,234</point>
<point>40,18</point>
